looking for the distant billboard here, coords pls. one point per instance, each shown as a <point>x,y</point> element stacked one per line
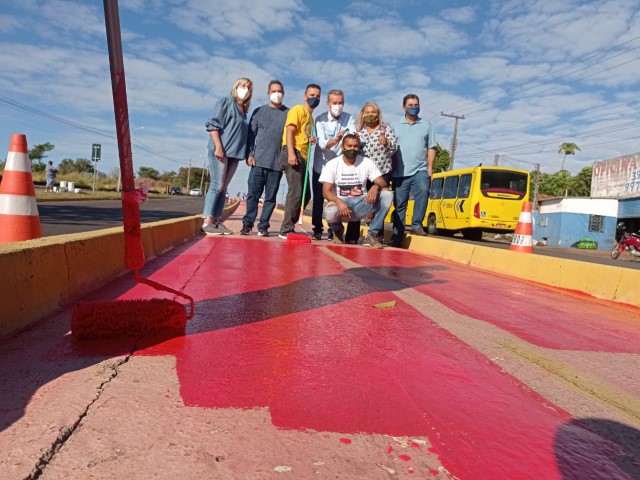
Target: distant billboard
<point>617,178</point>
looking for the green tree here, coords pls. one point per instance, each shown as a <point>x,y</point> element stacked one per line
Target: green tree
<point>84,165</point>
<point>66,166</point>
<point>554,184</point>
<point>580,185</point>
<point>567,149</point>
<point>169,177</point>
<point>442,160</point>
<point>148,172</point>
<point>37,154</point>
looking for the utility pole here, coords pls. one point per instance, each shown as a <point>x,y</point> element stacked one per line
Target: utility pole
<point>188,177</point>
<point>535,188</point>
<point>204,171</point>
<point>496,160</point>
<point>454,139</point>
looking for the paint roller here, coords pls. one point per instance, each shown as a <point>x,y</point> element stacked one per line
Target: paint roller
<point>119,318</point>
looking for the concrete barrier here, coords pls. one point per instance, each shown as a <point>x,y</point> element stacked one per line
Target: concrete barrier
<point>41,275</point>
<point>601,281</point>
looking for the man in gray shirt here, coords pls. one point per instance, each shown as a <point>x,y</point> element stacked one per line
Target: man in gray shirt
<point>263,147</point>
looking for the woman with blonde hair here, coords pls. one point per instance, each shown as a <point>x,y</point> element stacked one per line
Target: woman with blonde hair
<point>377,139</point>
<point>228,128</point>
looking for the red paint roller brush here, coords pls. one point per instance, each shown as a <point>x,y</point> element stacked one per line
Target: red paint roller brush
<point>129,317</point>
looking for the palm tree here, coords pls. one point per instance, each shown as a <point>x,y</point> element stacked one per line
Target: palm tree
<point>567,149</point>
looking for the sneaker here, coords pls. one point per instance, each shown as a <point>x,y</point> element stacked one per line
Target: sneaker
<point>263,232</point>
<point>338,238</point>
<point>225,230</point>
<point>418,232</point>
<point>246,230</point>
<point>372,242</point>
<point>317,236</point>
<point>212,229</point>
<point>283,236</point>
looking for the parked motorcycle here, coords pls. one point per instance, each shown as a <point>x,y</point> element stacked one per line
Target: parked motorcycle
<point>625,241</point>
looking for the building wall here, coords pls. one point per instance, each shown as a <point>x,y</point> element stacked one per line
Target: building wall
<point>564,221</point>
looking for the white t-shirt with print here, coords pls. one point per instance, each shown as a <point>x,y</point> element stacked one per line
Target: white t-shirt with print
<point>349,180</point>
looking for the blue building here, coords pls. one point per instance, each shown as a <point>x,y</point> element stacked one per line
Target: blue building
<point>561,222</point>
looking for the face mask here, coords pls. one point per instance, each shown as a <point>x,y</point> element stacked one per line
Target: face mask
<point>370,119</point>
<point>350,153</point>
<point>276,97</point>
<point>336,110</point>
<point>413,111</point>
<point>313,102</point>
<point>242,92</point>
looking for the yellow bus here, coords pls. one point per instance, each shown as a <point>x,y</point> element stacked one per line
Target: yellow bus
<point>475,200</point>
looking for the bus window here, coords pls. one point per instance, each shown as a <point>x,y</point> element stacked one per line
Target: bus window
<point>465,186</point>
<point>495,182</point>
<point>436,188</point>
<point>450,187</point>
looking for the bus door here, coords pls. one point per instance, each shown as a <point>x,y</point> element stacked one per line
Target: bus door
<point>463,208</point>
<point>448,204</point>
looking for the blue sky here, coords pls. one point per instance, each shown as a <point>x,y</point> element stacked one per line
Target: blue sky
<point>527,75</point>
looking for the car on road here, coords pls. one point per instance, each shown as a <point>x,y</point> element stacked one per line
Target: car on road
<point>195,192</point>
<point>175,191</point>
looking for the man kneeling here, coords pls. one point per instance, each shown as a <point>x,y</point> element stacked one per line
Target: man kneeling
<point>344,187</point>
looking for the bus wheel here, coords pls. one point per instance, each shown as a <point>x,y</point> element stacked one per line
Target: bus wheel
<point>472,233</point>
<point>431,225</point>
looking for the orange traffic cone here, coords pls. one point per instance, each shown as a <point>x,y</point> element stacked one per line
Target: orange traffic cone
<point>523,236</point>
<point>19,219</point>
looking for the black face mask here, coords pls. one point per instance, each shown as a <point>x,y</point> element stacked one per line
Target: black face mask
<point>350,153</point>
<point>313,102</point>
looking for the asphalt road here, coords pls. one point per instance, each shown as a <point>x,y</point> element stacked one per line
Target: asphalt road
<point>82,216</point>
<point>58,218</point>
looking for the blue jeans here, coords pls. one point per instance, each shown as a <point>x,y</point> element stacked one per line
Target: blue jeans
<point>267,180</point>
<point>417,185</point>
<point>359,210</point>
<point>222,172</point>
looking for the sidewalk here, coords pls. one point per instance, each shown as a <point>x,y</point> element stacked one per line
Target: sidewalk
<point>324,361</point>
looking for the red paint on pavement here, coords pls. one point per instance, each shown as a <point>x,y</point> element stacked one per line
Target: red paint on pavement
<point>389,450</point>
<point>404,458</point>
<point>534,313</point>
<point>299,334</point>
<point>346,441</point>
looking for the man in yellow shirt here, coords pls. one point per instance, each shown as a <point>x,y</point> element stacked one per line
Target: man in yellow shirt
<point>296,137</point>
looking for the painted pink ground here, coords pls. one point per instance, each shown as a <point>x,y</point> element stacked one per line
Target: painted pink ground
<point>289,328</point>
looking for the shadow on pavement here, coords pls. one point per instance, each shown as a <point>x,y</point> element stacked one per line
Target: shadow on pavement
<point>596,448</point>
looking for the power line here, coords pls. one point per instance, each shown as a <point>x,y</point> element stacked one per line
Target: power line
<point>95,131</point>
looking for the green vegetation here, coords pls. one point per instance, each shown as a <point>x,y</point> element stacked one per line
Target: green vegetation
<point>567,149</point>
<point>563,183</point>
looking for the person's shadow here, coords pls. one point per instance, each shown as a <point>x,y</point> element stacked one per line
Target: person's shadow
<point>597,449</point>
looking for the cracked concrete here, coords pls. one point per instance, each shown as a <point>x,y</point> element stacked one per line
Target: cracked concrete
<point>66,432</point>
<point>39,412</point>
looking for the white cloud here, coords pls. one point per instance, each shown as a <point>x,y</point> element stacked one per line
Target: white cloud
<point>236,20</point>
<point>459,15</point>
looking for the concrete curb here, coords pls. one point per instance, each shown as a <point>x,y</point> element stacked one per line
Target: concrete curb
<point>601,281</point>
<point>42,274</point>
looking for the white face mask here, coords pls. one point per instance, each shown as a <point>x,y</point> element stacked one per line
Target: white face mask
<point>336,110</point>
<point>276,97</point>
<point>242,92</point>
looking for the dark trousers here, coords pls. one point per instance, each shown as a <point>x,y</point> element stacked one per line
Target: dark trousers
<point>318,202</point>
<point>295,175</point>
<point>261,180</point>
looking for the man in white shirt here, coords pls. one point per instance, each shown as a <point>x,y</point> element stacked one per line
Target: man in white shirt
<point>331,127</point>
<point>344,186</point>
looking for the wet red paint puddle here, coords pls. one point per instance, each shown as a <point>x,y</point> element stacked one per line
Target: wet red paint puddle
<point>536,314</point>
